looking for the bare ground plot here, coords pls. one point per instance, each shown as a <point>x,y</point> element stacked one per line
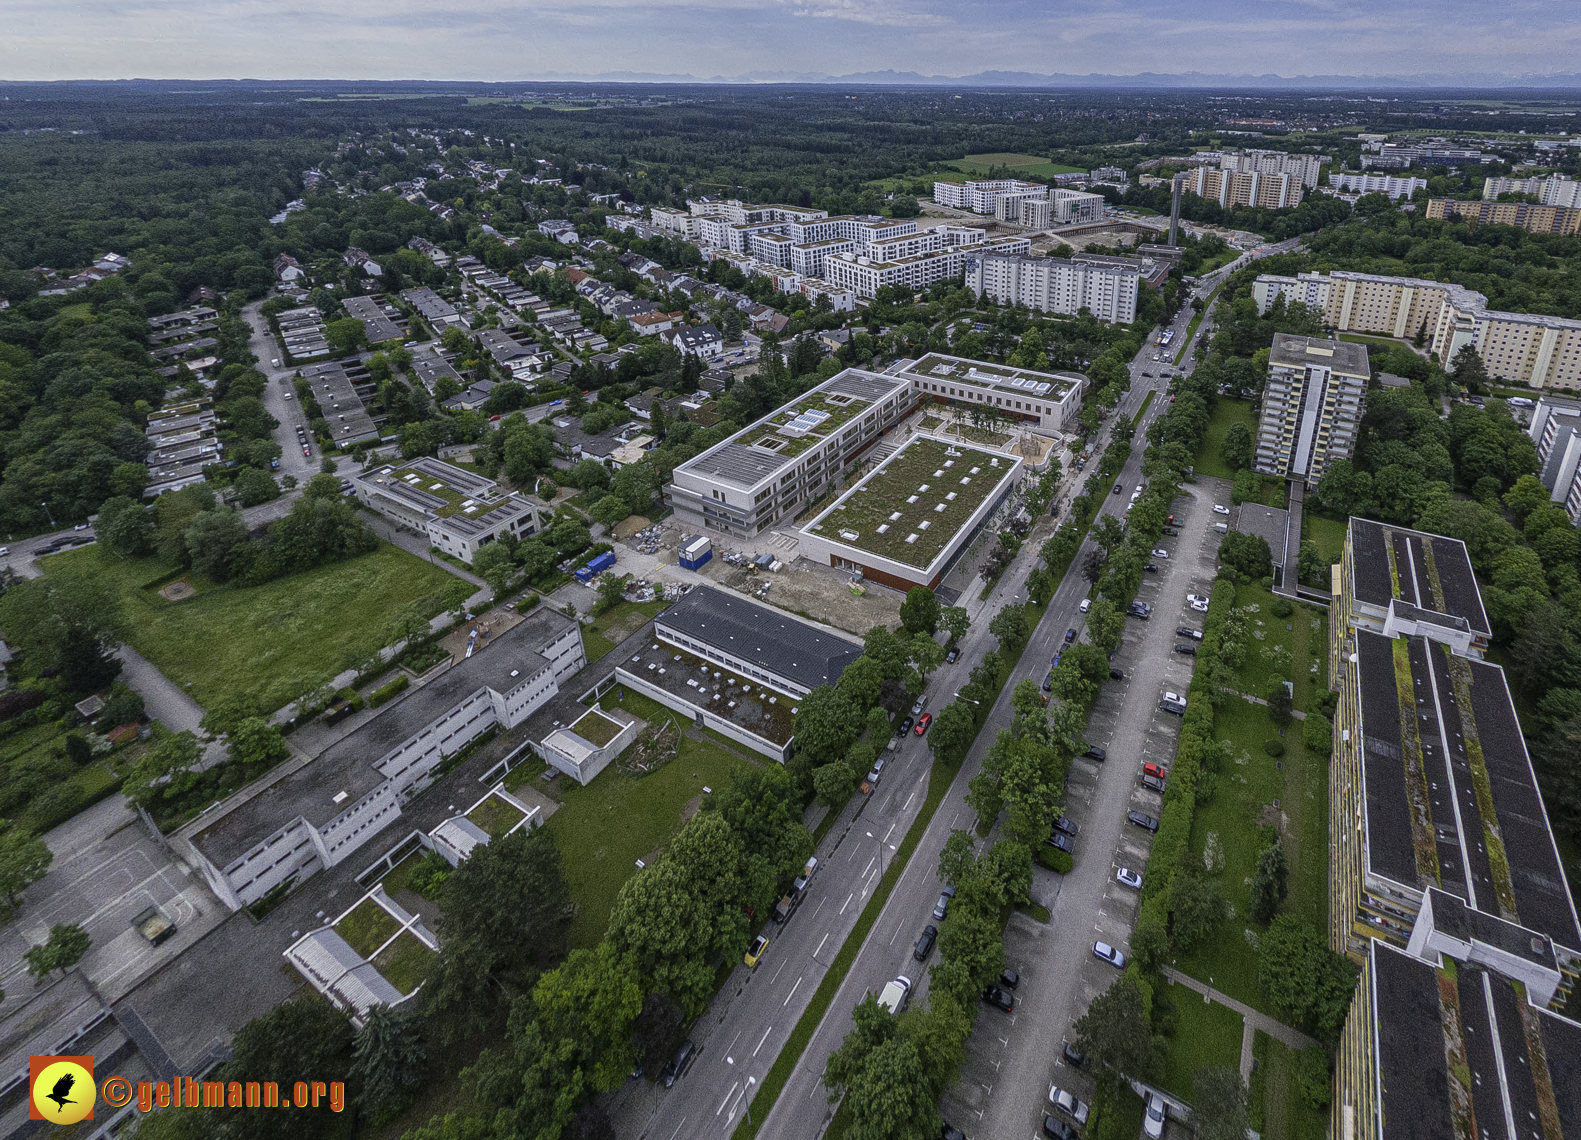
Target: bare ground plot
<point>819,592</point>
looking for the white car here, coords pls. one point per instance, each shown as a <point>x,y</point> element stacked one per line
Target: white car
<point>1160,553</point>
<point>1153,1119</point>
<point>1066,1102</point>
<point>1128,878</point>
<point>1086,604</point>
<point>1195,598</point>
<point>1200,605</point>
<point>1220,510</point>
<point>1109,954</point>
<point>1175,698</point>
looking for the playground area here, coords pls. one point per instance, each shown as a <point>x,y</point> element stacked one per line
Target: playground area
<point>472,636</point>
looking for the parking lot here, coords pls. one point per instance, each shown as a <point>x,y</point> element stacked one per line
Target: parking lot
<point>1013,1059</point>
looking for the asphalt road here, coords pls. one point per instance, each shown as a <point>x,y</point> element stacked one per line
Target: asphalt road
<point>280,399</point>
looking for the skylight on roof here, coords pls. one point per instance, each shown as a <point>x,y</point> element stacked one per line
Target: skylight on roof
<point>883,528</point>
<point>912,537</point>
<point>911,498</point>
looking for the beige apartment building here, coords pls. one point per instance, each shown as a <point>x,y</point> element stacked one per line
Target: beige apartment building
<point>1529,216</point>
<point>1246,187</point>
<point>1312,401</point>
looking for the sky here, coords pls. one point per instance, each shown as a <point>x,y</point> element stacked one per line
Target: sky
<point>1464,41</point>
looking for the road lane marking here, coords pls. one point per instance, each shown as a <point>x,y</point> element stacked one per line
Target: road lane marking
<point>820,906</point>
<point>772,980</point>
<point>762,1039</point>
<point>677,1131</point>
<point>908,804</point>
<point>726,1101</point>
<point>892,826</point>
<point>821,941</point>
<point>792,994</point>
<point>895,935</point>
<point>848,899</point>
<point>868,868</point>
<point>734,1039</point>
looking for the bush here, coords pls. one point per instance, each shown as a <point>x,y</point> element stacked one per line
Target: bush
<point>384,693</point>
<point>57,805</point>
<point>1274,746</point>
<point>1054,859</point>
<point>428,877</point>
<point>78,750</point>
<point>527,603</point>
<point>1317,733</point>
<point>1281,608</point>
<point>1312,1075</point>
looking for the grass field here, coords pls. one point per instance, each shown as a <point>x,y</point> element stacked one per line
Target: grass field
<point>1285,1113</point>
<point>1022,165</point>
<point>1329,534</point>
<point>271,641</point>
<point>604,828</point>
<point>613,626</point>
<point>1206,1033</point>
<point>1228,412</point>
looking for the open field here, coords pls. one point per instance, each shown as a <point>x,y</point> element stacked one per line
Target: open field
<point>1227,413</point>
<point>1206,1033</point>
<point>271,641</point>
<point>1022,165</point>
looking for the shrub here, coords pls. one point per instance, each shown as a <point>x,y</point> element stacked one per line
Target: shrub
<point>428,877</point>
<point>1054,859</point>
<point>1317,733</point>
<point>56,805</point>
<point>384,693</point>
<point>1274,746</point>
<point>527,603</point>
<point>1312,1075</point>
<point>78,750</point>
<point>1281,608</point>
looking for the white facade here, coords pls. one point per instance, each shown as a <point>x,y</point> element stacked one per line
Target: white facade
<point>981,197</point>
<point>1312,404</point>
<point>1055,207</point>
<point>1387,184</point>
<point>865,276</point>
<point>1304,167</point>
<point>1555,190</point>
<point>459,511</point>
<point>1556,430</point>
<point>1045,402</point>
<point>1054,285</point>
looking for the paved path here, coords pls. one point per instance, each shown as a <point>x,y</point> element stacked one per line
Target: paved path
<point>166,701</point>
<point>1254,1019</point>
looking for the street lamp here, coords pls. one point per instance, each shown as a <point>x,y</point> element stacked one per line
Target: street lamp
<point>958,697</point>
<point>46,512</point>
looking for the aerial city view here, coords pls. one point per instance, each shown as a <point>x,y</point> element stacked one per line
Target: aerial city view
<point>871,569</point>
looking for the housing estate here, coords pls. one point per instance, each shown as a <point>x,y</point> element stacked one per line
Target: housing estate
<point>1055,285</point>
<point>1554,430</point>
<point>459,511</point>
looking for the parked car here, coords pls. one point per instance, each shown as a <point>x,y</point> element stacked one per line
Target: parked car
<point>1065,1101</point>
<point>1118,488</point>
<point>1048,681</point>
<point>1193,599</point>
<point>1009,978</point>
<point>1160,552</point>
<point>1095,753</point>
<point>755,951</point>
<point>921,703</point>
<point>1109,954</point>
<point>1116,674</point>
<point>999,999</point>
<point>1074,1057</point>
<point>1153,1117</point>
<point>1219,510</point>
<point>1067,825</point>
<point>922,725</point>
<point>1171,531</point>
<point>1138,610</point>
<point>1186,647</point>
<point>1154,783</point>
<point>1187,631</point>
<point>1056,1129</point>
<point>675,1068</point>
<point>876,772</point>
<point>1149,768</point>
<point>1070,635</point>
<point>1086,604</point>
<point>906,726</point>
<point>1128,878</point>
<point>952,657</point>
<point>924,945</point>
<point>1201,607</point>
<point>943,904</point>
<point>1062,843</point>
<point>950,1132</point>
<point>1175,698</point>
<point>1142,819</point>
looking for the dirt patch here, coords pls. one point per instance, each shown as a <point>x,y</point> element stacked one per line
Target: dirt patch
<point>178,591</point>
<point>487,628</point>
<point>691,807</point>
<point>819,592</point>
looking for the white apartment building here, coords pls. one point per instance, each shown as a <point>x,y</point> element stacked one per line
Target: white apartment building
<point>1556,430</point>
<point>841,300</point>
<point>1350,182</point>
<point>937,260</point>
<point>1054,285</point>
<point>1555,190</point>
<point>1055,207</point>
<point>1541,351</point>
<point>303,818</point>
<point>1311,412</point>
<point>1306,168</point>
<point>982,197</point>
<point>1044,402</point>
<point>1273,191</point>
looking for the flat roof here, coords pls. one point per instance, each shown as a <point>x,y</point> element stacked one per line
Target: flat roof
<point>913,504</point>
<point>336,393</point>
<point>349,765</point>
<point>1342,356</point>
<point>436,487</point>
<point>937,366</point>
<point>1429,571</point>
<point>744,701</point>
<point>1424,819</point>
<point>1411,1064</point>
<point>778,642</point>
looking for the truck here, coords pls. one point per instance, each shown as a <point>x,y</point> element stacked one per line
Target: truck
<point>596,567</point>
<point>696,552</point>
<point>786,906</point>
<point>153,926</point>
<point>895,994</point>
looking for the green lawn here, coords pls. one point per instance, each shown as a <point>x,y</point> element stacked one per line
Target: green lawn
<point>614,625</point>
<point>1228,412</point>
<point>1286,1115</point>
<point>272,641</point>
<point>604,828</point>
<point>1206,1033</point>
<point>1329,534</point>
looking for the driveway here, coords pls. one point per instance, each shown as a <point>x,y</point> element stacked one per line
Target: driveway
<point>279,397</point>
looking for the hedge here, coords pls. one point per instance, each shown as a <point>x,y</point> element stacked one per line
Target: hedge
<point>1054,859</point>
<point>380,695</point>
<point>527,603</point>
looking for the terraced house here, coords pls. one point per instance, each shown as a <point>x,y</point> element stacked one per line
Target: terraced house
<point>1446,883</point>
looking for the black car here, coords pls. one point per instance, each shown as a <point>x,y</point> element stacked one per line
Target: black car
<point>1136,611</point>
<point>1010,979</point>
<point>1187,648</point>
<point>1096,753</point>
<point>1154,782</point>
<point>1187,631</point>
<point>1116,674</point>
<point>1062,843</point>
<point>1171,531</point>
<point>1057,1129</point>
<point>1074,1057</point>
<point>1070,635</point>
<point>950,1132</point>
<point>675,1068</point>
<point>905,726</point>
<point>1151,568</point>
<point>1066,825</point>
<point>999,999</point>
<point>1142,819</point>
<point>924,945</point>
<point>1048,681</point>
<point>952,657</point>
<point>1118,488</point>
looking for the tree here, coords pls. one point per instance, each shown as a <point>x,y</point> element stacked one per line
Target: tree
<point>919,613</point>
<point>1114,1032</point>
<point>1105,625</point>
<point>1236,449</point>
<point>833,783</point>
<point>926,654</point>
<point>255,743</point>
<point>952,733</point>
<point>892,1097</point>
<point>24,858</point>
<point>71,621</point>
<point>165,772</point>
<point>954,621</point>
<point>611,591</point>
<point>65,948</point>
<point>1269,882</point>
<point>610,510</point>
<point>306,1040</point>
<point>654,1029</point>
<point>1092,565</point>
<point>1311,567</point>
<point>124,527</point>
<point>1196,909</point>
<point>1309,985</point>
<point>1218,1105</point>
<point>1010,626</point>
<point>1279,703</point>
<point>389,1057</point>
<point>1467,369</point>
<point>825,726</point>
<point>211,540</point>
<point>346,335</point>
<point>256,486</point>
<point>1247,553</point>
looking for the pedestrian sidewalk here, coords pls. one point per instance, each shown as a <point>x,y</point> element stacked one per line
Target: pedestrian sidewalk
<point>1251,1019</point>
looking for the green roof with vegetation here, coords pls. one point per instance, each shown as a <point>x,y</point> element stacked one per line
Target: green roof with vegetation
<point>596,728</point>
<point>958,370</point>
<point>404,962</point>
<point>367,927</point>
<point>838,409</point>
<point>495,816</point>
<point>913,504</point>
<point>456,502</point>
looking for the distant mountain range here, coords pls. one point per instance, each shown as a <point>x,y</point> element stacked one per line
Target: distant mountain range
<point>1195,79</point>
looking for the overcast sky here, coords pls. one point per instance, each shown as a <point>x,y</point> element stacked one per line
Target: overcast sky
<point>525,39</point>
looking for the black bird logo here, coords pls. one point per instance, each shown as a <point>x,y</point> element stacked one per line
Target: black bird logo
<point>61,1093</point>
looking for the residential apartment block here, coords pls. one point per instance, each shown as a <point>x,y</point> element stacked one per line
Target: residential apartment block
<point>1544,352</point>
<point>1051,207</point>
<point>1312,404</point>
<point>982,196</point>
<point>1555,190</point>
<point>1350,182</point>
<point>779,464</point>
<point>460,512</point>
<point>939,255</point>
<point>1305,168</point>
<point>1446,885</point>
<point>307,816</point>
<point>1538,219</point>
<point>1246,187</point>
<point>1055,285</point>
<point>1556,430</point>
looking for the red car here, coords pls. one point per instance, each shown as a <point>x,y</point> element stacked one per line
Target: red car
<point>922,725</point>
<point>1151,769</point>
